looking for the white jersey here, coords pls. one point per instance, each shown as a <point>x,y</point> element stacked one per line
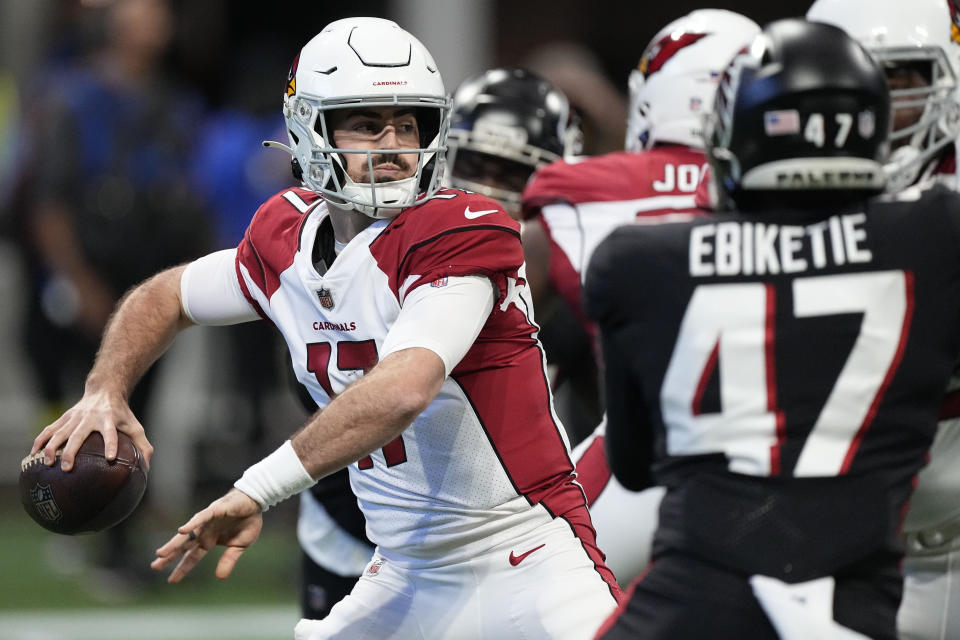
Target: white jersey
<point>487,461</point>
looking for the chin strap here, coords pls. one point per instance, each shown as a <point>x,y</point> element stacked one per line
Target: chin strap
<point>277,145</point>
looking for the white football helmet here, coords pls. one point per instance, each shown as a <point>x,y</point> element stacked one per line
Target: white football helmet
<point>919,34</point>
<point>367,62</point>
<point>672,88</point>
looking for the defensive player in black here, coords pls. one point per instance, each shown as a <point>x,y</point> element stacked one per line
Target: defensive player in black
<point>504,124</point>
<point>778,364</point>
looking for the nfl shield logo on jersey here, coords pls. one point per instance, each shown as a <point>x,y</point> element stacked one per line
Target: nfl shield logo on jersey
<point>42,497</point>
<point>326,298</point>
<point>374,567</point>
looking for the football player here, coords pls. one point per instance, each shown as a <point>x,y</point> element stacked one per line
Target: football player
<point>779,365</point>
<point>504,124</point>
<point>917,45</point>
<point>406,318</point>
<point>569,207</point>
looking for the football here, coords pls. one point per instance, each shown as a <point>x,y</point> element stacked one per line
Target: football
<point>95,495</point>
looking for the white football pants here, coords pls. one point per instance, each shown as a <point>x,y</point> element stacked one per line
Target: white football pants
<point>540,586</point>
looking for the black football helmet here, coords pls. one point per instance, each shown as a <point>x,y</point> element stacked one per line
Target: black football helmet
<point>805,110</point>
<point>504,124</point>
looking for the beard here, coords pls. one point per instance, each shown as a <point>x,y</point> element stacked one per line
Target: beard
<point>396,159</point>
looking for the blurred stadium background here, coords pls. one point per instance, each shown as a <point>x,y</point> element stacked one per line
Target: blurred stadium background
<point>236,55</point>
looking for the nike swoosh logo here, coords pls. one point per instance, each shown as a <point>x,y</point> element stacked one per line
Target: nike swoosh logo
<point>470,215</point>
<point>515,560</point>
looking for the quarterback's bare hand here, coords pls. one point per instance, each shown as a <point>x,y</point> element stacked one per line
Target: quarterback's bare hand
<point>232,521</point>
<point>96,411</point>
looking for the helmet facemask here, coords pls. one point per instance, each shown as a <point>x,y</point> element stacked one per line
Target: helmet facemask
<point>367,65</point>
<point>324,164</point>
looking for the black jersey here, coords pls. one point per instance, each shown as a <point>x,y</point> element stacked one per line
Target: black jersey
<point>781,372</point>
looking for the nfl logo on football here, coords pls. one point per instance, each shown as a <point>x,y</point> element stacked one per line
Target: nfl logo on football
<point>326,298</point>
<point>42,498</point>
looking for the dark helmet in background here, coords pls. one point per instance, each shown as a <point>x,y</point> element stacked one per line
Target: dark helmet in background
<point>801,117</point>
<point>505,123</point>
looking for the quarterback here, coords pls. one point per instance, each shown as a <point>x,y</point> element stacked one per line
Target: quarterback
<point>405,311</point>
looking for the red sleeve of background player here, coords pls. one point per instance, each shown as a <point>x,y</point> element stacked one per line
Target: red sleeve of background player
<point>588,180</point>
<point>612,177</point>
<point>456,234</point>
<point>272,240</point>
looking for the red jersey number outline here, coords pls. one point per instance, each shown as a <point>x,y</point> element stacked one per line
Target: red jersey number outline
<point>745,313</point>
<point>352,356</point>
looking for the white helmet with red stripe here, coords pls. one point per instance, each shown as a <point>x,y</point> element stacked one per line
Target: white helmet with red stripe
<point>672,88</point>
<point>364,62</point>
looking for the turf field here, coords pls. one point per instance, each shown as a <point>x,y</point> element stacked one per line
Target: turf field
<point>51,591</point>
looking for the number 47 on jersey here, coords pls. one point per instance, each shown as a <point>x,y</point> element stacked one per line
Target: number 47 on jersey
<point>732,326</point>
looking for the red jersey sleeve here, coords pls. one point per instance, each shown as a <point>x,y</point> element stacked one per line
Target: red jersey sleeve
<point>621,176</point>
<point>455,234</point>
<point>271,241</point>
<point>565,181</point>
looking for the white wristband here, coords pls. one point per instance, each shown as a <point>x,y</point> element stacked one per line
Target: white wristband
<point>275,478</point>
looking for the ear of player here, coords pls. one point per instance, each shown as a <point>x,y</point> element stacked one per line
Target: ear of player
<point>94,496</point>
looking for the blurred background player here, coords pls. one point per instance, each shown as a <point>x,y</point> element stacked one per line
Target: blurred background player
<point>334,545</point>
<point>780,366</point>
<point>569,207</point>
<point>108,200</point>
<point>917,46</point>
<point>113,200</point>
<point>505,124</point>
